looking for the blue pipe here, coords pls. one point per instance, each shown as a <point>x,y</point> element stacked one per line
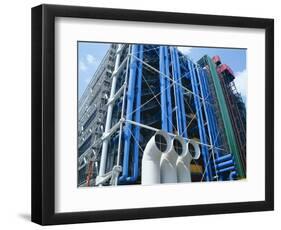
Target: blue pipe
<point>211,119</point>
<point>224,158</point>
<point>207,113</point>
<point>137,119</point>
<point>168,94</point>
<point>202,133</point>
<point>233,175</point>
<point>219,157</point>
<point>162,89</point>
<point>205,95</point>
<point>225,164</point>
<point>212,116</point>
<point>210,113</point>
<point>183,115</point>
<point>181,121</point>
<point>226,169</point>
<point>175,75</point>
<point>129,115</point>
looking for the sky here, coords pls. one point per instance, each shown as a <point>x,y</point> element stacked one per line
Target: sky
<point>90,55</point>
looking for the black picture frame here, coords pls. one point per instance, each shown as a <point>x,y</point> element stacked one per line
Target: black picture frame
<point>43,114</point>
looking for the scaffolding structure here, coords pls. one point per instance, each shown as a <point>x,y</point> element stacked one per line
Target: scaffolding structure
<point>141,89</point>
<point>235,105</point>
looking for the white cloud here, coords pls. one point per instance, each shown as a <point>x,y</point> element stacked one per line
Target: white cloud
<point>82,66</point>
<point>241,83</point>
<point>185,50</point>
<point>91,59</point>
<point>86,61</point>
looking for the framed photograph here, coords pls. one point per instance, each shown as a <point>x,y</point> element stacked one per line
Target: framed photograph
<point>142,114</point>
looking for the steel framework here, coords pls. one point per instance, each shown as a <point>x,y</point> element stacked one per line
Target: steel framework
<point>154,88</point>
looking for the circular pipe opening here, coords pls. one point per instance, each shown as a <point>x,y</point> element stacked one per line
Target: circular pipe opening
<point>178,146</point>
<point>193,149</point>
<point>161,142</point>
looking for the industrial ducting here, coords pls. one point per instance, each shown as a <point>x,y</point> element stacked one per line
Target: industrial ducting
<point>168,164</point>
<point>159,144</point>
<point>192,151</point>
<point>167,160</point>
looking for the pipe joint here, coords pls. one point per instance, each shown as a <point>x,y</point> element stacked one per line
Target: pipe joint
<point>192,151</point>
<point>168,167</point>
<point>159,144</point>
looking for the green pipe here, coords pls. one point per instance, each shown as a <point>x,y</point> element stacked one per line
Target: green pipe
<point>226,118</point>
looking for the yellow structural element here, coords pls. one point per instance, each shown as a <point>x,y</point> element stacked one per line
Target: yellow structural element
<point>196,168</point>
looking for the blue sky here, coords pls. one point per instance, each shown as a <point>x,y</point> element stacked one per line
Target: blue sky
<point>90,55</point>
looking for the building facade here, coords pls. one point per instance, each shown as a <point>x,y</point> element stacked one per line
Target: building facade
<point>141,89</point>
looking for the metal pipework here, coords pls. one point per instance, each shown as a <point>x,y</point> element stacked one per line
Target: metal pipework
<point>163,89</point>
<point>168,163</point>
<point>212,118</point>
<point>224,158</point>
<point>191,151</point>
<point>129,115</point>
<point>176,95</point>
<point>233,175</point>
<point>204,94</point>
<point>109,112</point>
<point>226,118</point>
<point>168,90</point>
<point>166,101</point>
<point>82,164</point>
<point>202,133</point>
<point>159,144</point>
<point>122,119</point>
<point>225,164</point>
<point>180,92</point>
<point>135,175</point>
<point>227,169</point>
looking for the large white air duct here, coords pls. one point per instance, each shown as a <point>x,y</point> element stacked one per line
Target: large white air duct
<point>168,163</point>
<point>158,144</point>
<point>192,151</point>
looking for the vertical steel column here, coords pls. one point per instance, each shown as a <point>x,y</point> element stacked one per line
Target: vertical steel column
<point>176,93</point>
<point>202,134</point>
<point>204,95</point>
<point>122,118</point>
<point>129,115</point>
<point>168,89</point>
<point>183,115</point>
<point>109,112</point>
<point>135,175</point>
<point>162,88</point>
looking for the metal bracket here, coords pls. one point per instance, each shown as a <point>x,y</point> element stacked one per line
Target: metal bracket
<point>112,176</point>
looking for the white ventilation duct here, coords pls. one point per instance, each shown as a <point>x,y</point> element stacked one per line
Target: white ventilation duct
<point>192,151</point>
<point>158,144</point>
<point>168,163</point>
